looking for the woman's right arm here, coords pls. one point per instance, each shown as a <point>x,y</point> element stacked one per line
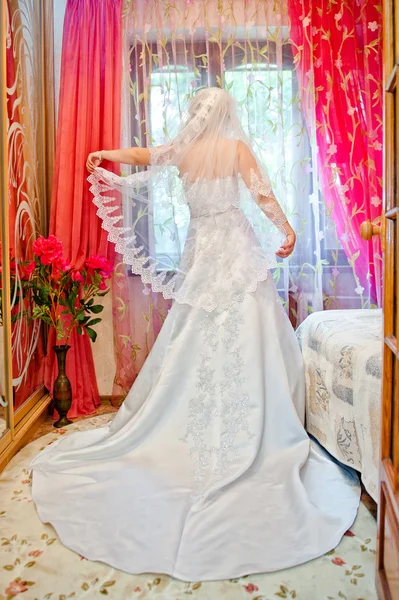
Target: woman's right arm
<point>261,190</point>
<point>139,157</point>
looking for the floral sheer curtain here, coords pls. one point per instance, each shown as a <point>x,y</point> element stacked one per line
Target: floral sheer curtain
<point>171,49</point>
<point>338,53</point>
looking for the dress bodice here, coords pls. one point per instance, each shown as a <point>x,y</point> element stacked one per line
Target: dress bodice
<point>206,198</point>
<point>225,248</point>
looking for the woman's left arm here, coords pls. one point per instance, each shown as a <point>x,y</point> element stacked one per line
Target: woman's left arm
<point>128,156</point>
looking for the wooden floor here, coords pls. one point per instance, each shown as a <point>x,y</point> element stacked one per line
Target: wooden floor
<point>47,426</point>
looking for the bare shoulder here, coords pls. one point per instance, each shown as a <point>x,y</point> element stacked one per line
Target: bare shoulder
<point>242,148</point>
<point>232,147</point>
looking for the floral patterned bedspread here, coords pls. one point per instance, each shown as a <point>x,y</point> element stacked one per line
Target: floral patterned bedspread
<point>342,351</point>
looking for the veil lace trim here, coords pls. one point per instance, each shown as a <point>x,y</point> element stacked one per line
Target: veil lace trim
<point>213,273</point>
<point>196,238</point>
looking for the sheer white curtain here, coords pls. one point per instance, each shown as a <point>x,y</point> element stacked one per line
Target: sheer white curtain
<point>171,50</point>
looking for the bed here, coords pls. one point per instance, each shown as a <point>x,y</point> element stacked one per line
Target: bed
<point>342,351</point>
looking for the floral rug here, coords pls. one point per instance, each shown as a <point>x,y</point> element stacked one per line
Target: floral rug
<point>35,566</point>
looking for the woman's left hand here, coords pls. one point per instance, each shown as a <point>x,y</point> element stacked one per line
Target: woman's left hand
<point>93,161</point>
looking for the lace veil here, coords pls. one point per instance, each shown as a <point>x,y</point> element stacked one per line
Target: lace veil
<point>199,224</point>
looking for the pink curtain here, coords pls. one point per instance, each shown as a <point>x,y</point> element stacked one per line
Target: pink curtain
<point>89,119</point>
<point>338,51</point>
<point>136,326</point>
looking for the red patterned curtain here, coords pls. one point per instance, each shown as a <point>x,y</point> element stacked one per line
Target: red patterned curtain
<point>338,53</point>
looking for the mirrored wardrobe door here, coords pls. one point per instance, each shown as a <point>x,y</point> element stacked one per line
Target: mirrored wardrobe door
<point>6,416</point>
<point>27,210</point>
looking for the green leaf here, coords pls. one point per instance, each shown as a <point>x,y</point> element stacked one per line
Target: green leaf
<point>93,322</point>
<point>72,299</point>
<point>91,333</point>
<point>97,308</point>
<point>38,300</point>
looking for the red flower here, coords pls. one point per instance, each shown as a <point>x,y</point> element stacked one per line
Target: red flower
<point>13,266</point>
<point>349,533</point>
<point>61,264</point>
<point>338,561</point>
<point>100,264</point>
<point>103,285</point>
<point>15,587</point>
<point>48,249</point>
<point>56,274</point>
<point>30,267</point>
<point>36,553</point>
<point>77,276</point>
<point>250,587</point>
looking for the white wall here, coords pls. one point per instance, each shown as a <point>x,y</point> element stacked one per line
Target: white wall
<point>59,12</point>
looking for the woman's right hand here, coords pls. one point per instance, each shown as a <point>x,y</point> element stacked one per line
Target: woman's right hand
<point>93,161</point>
<point>288,247</point>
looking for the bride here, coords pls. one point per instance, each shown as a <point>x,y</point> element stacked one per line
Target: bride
<point>206,471</point>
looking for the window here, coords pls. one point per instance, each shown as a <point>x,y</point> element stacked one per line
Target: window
<point>255,86</point>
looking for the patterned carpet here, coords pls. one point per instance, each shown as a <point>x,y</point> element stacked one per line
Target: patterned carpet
<point>35,566</point>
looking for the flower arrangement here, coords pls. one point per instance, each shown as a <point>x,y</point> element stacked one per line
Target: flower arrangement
<point>64,296</point>
<point>61,296</point>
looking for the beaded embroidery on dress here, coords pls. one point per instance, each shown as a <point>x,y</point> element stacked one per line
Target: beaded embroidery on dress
<point>206,472</point>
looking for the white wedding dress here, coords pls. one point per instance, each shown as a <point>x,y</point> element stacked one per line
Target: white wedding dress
<point>206,472</point>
